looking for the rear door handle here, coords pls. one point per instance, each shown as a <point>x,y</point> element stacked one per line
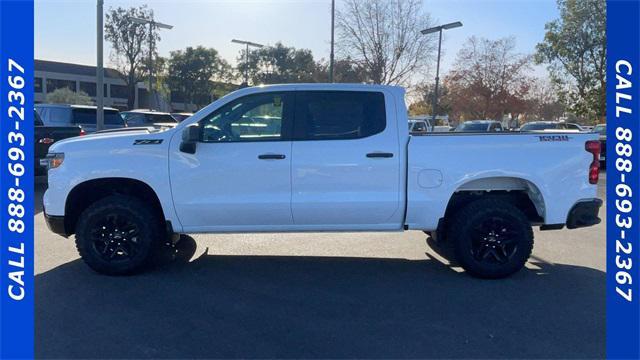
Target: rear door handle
<point>271,157</point>
<point>379,155</point>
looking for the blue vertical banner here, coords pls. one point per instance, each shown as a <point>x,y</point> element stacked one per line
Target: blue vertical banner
<point>623,183</point>
<point>16,179</point>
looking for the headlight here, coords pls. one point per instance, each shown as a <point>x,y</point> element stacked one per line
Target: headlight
<point>52,161</point>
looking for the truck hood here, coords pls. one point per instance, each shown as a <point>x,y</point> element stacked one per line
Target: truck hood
<point>111,139</point>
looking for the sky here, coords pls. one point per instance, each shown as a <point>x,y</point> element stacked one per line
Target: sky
<point>65,29</point>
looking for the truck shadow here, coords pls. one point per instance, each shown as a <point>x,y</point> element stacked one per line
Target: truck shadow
<point>318,307</point>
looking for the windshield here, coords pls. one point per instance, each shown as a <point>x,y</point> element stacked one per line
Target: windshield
<point>418,126</point>
<point>600,129</point>
<point>538,126</point>
<point>139,119</point>
<point>472,127</point>
<point>180,117</point>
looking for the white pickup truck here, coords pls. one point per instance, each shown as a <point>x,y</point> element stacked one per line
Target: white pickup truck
<point>317,157</point>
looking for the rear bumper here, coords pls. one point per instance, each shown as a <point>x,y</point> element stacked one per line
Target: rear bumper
<point>584,213</point>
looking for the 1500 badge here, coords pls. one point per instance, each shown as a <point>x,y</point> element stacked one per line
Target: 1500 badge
<point>147,142</point>
<point>554,137</point>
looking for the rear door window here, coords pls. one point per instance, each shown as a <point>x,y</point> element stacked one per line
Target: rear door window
<point>88,116</point>
<point>112,117</point>
<point>338,115</point>
<point>84,116</point>
<point>57,116</point>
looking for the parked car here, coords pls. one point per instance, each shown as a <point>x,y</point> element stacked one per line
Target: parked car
<point>479,126</point>
<point>180,117</point>
<point>418,127</point>
<point>78,115</point>
<point>601,130</point>
<point>45,136</point>
<point>338,158</point>
<point>141,117</point>
<point>441,124</point>
<point>550,125</point>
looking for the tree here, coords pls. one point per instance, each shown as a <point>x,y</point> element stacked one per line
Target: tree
<point>344,71</point>
<point>160,76</point>
<point>422,96</point>
<point>419,108</point>
<point>67,96</point>
<point>575,49</point>
<point>383,37</point>
<point>543,102</point>
<point>488,80</point>
<point>278,64</point>
<point>192,72</point>
<point>129,41</point>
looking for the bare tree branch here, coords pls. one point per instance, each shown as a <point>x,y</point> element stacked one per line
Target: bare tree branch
<point>383,37</point>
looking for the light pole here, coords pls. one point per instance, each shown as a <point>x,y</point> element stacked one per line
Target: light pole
<point>99,68</point>
<point>331,56</point>
<point>152,23</point>
<point>246,56</point>
<point>431,30</point>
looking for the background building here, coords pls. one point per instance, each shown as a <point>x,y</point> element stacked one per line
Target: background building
<point>52,75</point>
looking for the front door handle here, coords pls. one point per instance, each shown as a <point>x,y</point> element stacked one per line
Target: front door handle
<point>379,155</point>
<point>271,157</point>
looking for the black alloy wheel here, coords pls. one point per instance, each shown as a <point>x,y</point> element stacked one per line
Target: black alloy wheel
<point>119,235</point>
<point>491,238</point>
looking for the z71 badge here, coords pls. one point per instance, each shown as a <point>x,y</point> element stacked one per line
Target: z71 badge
<point>554,137</point>
<point>147,142</point>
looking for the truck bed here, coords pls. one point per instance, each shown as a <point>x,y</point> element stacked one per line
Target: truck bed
<point>441,164</point>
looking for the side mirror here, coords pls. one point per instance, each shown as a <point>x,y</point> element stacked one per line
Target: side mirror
<point>190,138</point>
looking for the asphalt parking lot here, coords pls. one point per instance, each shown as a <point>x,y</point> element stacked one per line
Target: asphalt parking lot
<point>371,295</point>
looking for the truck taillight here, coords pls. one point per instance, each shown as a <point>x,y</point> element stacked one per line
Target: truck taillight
<point>593,146</point>
<point>82,132</point>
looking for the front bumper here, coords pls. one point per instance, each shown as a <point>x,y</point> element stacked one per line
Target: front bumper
<point>55,224</point>
<point>584,213</point>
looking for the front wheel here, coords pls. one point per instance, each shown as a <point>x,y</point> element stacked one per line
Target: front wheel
<point>491,238</point>
<point>117,235</point>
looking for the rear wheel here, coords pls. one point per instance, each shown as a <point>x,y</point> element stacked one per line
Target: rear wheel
<point>491,238</point>
<point>117,235</point>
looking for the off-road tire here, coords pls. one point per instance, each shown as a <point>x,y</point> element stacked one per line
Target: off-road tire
<point>478,250</point>
<point>146,240</point>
